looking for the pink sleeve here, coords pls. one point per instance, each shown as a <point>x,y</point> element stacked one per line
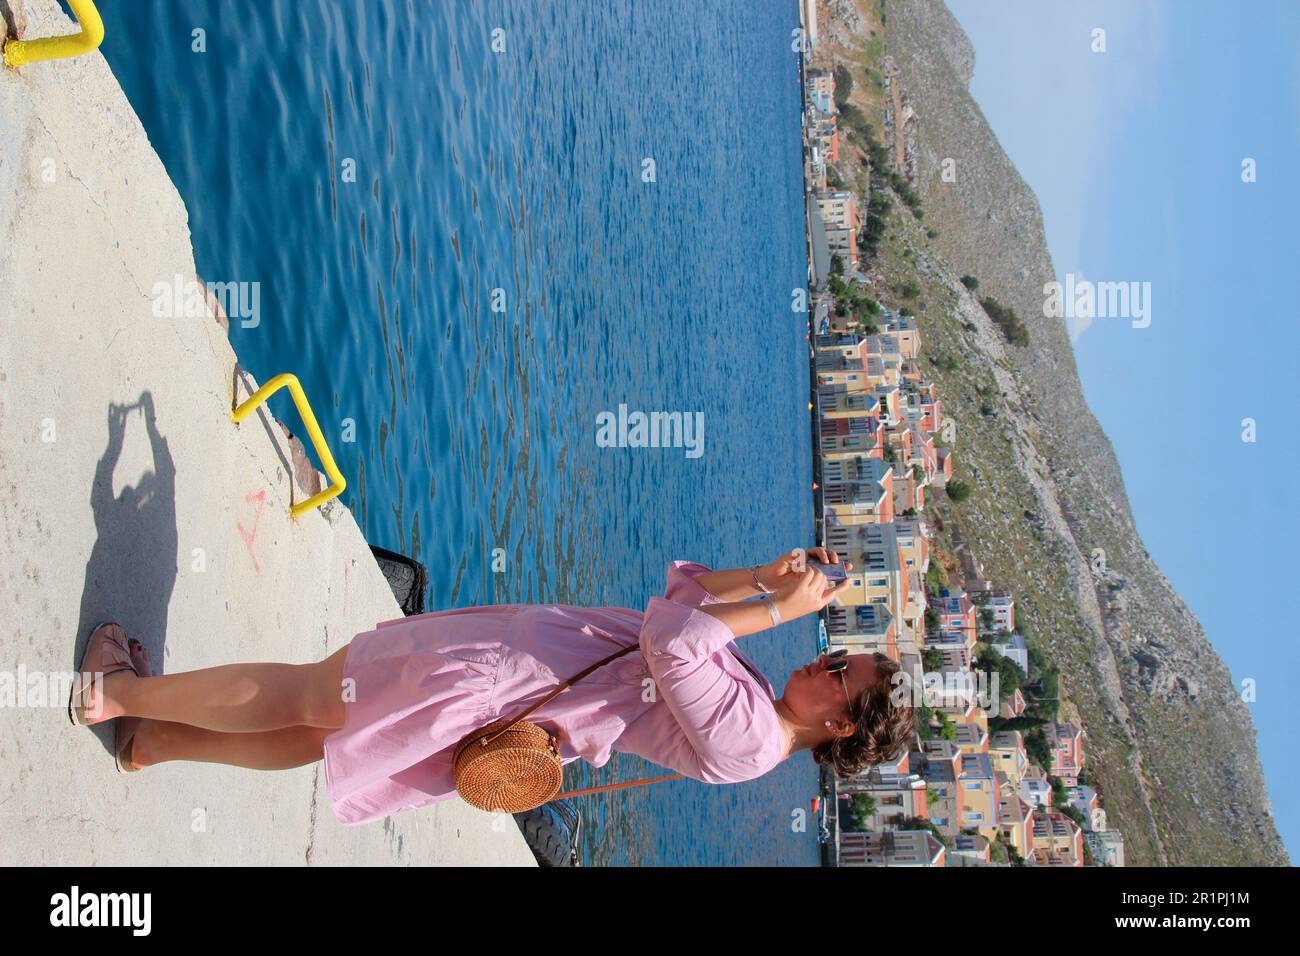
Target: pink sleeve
<point>684,589</point>
<point>731,726</point>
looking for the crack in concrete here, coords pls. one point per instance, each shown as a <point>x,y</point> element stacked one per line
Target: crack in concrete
<point>108,218</point>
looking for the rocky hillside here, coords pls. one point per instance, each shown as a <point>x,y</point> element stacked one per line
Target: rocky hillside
<point>1170,744</point>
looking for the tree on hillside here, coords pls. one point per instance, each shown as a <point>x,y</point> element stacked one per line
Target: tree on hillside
<point>1037,748</point>
<point>843,85</point>
<point>959,490</point>
<point>970,282</point>
<point>1010,674</point>
<point>1006,319</point>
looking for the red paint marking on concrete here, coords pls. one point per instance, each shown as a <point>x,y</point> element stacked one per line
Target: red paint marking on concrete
<point>345,589</point>
<point>250,536</point>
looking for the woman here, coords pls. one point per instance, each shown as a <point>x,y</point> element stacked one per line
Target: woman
<point>386,711</point>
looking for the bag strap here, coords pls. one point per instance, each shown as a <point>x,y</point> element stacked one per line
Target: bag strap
<point>563,687</point>
<point>556,693</point>
<point>615,786</point>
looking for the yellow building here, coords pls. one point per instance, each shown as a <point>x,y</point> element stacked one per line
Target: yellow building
<point>1007,751</point>
<point>878,575</point>
<point>902,329</point>
<point>839,209</point>
<point>1058,840</point>
<point>822,86</point>
<point>971,739</point>
<point>914,541</point>
<point>840,447</point>
<point>977,791</point>
<point>857,490</point>
<point>1015,820</point>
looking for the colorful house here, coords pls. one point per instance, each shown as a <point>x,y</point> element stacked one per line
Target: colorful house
<point>924,408</point>
<point>922,453</point>
<point>1016,822</point>
<point>834,369</point>
<point>821,91</point>
<point>972,738</point>
<point>937,763</point>
<point>891,848</point>
<point>891,405</point>
<point>883,360</point>
<point>914,539</point>
<point>1066,741</point>
<point>943,462</point>
<point>1012,706</point>
<point>878,575</point>
<point>1013,647</point>
<point>977,790</point>
<point>956,612</point>
<point>1088,802</point>
<point>861,442</point>
<point>1107,847</point>
<point>909,494</point>
<point>1058,840</point>
<point>839,209</point>
<point>857,490</point>
<point>1008,755</point>
<point>838,401</point>
<point>862,629</point>
<point>1034,788</point>
<point>903,330</point>
<point>970,849</point>
<point>897,796</point>
<point>1003,608</point>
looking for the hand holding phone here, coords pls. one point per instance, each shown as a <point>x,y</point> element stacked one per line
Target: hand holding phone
<point>834,572</point>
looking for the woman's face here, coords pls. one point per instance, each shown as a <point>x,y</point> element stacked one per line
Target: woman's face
<point>815,694</point>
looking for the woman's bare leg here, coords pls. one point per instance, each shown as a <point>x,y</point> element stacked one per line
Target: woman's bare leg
<point>158,741</point>
<point>235,698</point>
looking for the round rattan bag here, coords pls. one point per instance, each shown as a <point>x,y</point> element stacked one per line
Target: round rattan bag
<point>510,767</point>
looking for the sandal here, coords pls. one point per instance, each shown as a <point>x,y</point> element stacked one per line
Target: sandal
<point>109,652</point>
<point>127,726</point>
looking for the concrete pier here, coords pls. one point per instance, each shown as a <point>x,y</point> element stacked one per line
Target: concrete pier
<point>127,494</point>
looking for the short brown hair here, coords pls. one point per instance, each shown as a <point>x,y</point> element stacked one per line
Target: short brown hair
<point>885,726</point>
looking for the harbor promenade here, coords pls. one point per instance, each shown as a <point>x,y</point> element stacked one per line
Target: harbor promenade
<point>130,495</point>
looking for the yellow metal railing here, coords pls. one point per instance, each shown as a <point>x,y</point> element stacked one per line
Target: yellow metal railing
<point>20,52</point>
<point>337,482</point>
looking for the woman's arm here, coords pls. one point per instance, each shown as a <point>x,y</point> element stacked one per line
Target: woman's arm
<point>729,729</point>
<point>737,584</point>
<point>742,617</point>
<point>733,584</point>
<point>806,594</point>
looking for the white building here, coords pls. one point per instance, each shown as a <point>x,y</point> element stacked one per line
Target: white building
<point>1014,648</point>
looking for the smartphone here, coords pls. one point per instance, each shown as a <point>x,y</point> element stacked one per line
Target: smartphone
<point>834,572</point>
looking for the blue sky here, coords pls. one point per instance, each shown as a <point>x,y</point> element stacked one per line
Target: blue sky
<point>1136,157</point>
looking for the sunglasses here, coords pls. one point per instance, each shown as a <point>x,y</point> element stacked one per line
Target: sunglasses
<point>837,662</point>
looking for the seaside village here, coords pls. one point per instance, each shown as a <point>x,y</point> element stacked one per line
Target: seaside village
<point>971,794</point>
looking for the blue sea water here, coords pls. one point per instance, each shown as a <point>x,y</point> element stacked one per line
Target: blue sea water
<point>521,170</point>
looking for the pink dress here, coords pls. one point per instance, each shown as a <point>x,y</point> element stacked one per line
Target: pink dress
<point>688,701</point>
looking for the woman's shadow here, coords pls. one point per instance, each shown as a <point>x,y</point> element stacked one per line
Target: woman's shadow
<point>132,568</point>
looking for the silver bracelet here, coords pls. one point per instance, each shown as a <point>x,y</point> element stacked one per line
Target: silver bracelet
<point>771,608</point>
<point>757,583</point>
